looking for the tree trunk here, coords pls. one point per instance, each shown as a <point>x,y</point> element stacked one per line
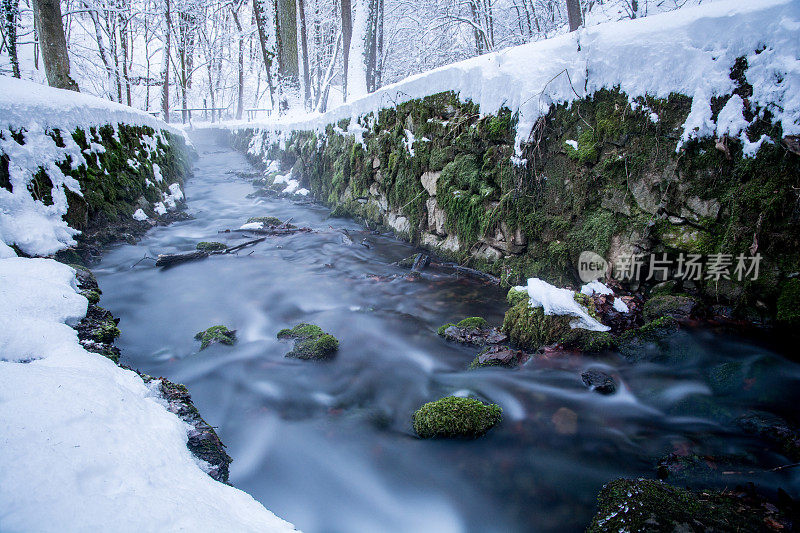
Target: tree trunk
<point>347,35</point>
<point>289,70</point>
<point>10,16</point>
<point>258,14</point>
<point>304,50</point>
<point>574,14</point>
<point>123,41</point>
<point>165,71</point>
<point>240,100</point>
<point>54,44</point>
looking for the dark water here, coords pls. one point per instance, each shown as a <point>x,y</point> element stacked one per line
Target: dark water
<point>329,446</point>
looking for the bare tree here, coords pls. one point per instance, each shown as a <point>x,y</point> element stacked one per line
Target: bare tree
<point>259,16</point>
<point>54,44</point>
<point>347,35</point>
<point>574,14</point>
<point>166,61</point>
<point>301,8</point>
<point>10,13</point>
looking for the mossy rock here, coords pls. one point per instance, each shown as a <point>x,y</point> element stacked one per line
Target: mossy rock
<point>677,306</point>
<point>789,303</point>
<point>267,221</point>
<point>516,296</point>
<point>653,506</point>
<point>499,355</point>
<point>92,295</point>
<point>588,341</point>
<point>219,334</point>
<point>454,417</point>
<point>473,322</point>
<point>310,342</point>
<point>211,246</point>
<point>530,329</point>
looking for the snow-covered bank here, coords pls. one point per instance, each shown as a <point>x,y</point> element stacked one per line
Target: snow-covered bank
<point>37,124</point>
<point>84,444</point>
<point>690,51</point>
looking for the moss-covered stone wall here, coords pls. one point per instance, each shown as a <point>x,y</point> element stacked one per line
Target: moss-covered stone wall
<point>120,170</point>
<point>601,174</point>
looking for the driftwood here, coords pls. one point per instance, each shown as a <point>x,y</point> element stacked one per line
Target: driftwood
<point>268,231</point>
<point>469,272</point>
<point>167,260</point>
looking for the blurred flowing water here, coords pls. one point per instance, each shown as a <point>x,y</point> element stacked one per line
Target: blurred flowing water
<point>329,446</point>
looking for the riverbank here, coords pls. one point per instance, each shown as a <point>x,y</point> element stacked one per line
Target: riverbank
<point>85,442</point>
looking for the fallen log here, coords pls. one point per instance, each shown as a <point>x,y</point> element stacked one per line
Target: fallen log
<point>167,260</point>
<point>270,231</point>
<point>469,272</point>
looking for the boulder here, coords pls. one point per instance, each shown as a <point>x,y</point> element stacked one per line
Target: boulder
<point>310,342</point>
<point>599,381</point>
<point>454,417</point>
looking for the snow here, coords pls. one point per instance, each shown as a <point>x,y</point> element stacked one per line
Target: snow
<point>572,143</point>
<point>620,306</point>
<point>160,208</point>
<point>39,229</point>
<point>595,286</point>
<point>85,443</point>
<point>139,215</point>
<point>157,173</point>
<point>689,51</point>
<point>252,226</point>
<point>556,301</point>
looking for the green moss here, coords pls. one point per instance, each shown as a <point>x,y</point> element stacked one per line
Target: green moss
<point>92,295</point>
<point>649,505</point>
<point>105,332</point>
<point>443,328</point>
<point>211,246</point>
<point>588,341</point>
<point>515,296</point>
<point>530,329</point>
<point>654,330</point>
<point>219,334</point>
<point>677,306</point>
<point>474,322</point>
<point>310,342</point>
<point>454,417</point>
<point>267,221</point>
<point>789,303</point>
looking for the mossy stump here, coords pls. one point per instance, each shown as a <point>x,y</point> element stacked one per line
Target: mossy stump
<point>310,342</point>
<point>454,417</point>
<point>219,334</point>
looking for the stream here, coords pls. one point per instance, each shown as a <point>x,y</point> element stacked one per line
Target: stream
<point>329,446</point>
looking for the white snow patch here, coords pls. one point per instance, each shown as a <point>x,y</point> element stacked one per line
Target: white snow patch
<point>556,301</point>
<point>572,143</point>
<point>620,306</point>
<point>252,226</point>
<point>140,215</point>
<point>157,173</point>
<point>595,286</point>
<point>85,442</point>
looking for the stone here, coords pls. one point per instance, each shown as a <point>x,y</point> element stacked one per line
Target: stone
<point>499,355</point>
<point>488,253</point>
<point>219,334</point>
<point>565,421</point>
<point>310,342</point>
<point>599,381</point>
<point>680,307</point>
<point>429,180</point>
<point>436,217</point>
<point>454,417</point>
<point>652,505</point>
<point>398,223</point>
